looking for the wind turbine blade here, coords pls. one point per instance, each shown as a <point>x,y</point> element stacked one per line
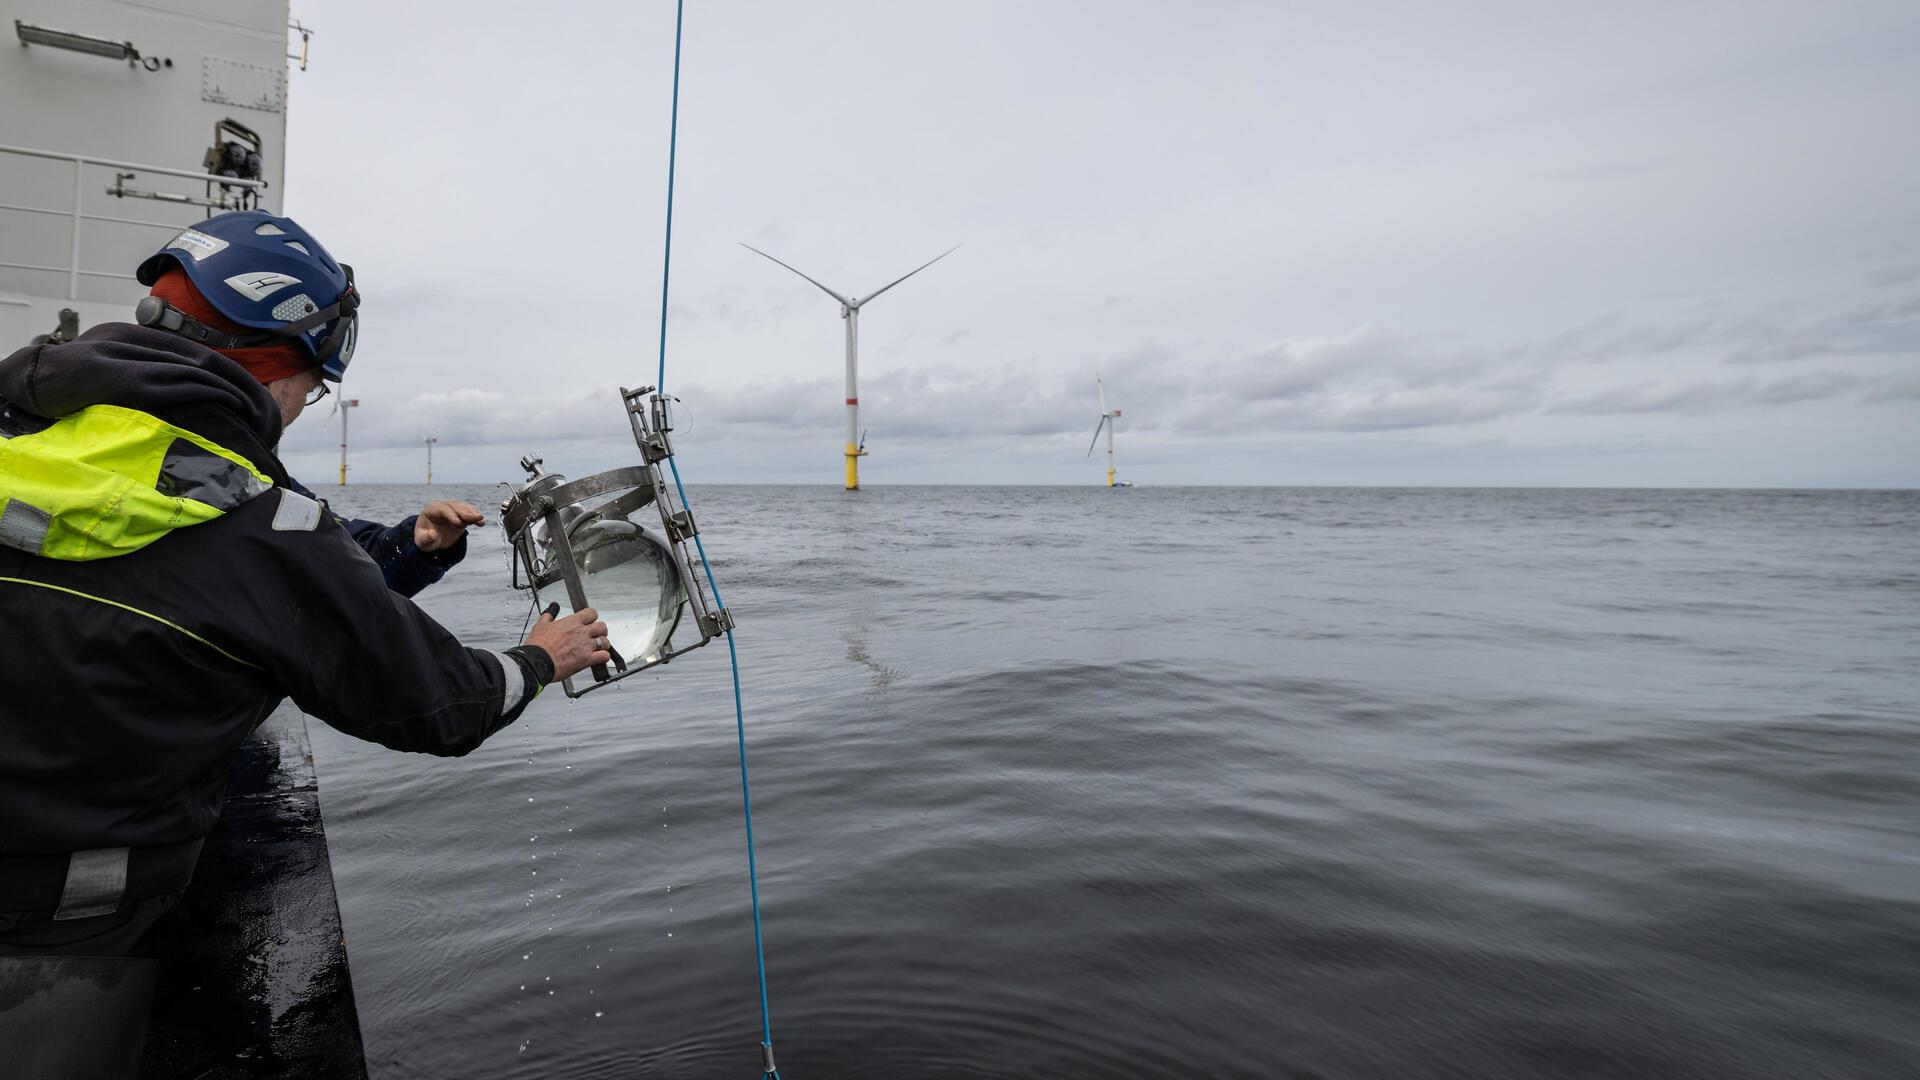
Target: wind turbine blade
<point>1096,436</point>
<point>1102,387</point>
<point>817,285</point>
<point>908,274</point>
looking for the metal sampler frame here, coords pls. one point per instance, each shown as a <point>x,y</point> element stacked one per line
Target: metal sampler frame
<point>542,498</point>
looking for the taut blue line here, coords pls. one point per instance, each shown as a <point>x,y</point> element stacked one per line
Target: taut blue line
<point>733,655</point>
<point>673,150</point>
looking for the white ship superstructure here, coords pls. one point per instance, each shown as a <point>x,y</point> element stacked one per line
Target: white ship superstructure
<point>112,115</point>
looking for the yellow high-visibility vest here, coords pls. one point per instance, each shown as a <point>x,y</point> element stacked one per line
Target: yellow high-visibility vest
<point>109,480</point>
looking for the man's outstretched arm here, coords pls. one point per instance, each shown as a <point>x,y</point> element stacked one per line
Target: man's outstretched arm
<point>350,651</point>
<point>417,551</point>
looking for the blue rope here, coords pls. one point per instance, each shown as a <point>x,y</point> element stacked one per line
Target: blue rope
<point>733,655</point>
<point>673,149</point>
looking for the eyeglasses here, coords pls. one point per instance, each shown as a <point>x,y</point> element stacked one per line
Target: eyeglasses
<point>314,395</point>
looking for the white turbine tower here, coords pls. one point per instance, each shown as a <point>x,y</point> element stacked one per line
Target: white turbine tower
<point>1106,421</point>
<point>850,310</point>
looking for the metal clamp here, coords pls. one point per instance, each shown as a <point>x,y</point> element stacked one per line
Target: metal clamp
<point>680,526</point>
<point>655,449</point>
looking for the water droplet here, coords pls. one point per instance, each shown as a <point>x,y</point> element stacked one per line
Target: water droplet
<point>598,1015</point>
<point>526,956</point>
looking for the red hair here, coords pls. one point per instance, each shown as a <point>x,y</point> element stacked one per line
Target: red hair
<point>267,363</point>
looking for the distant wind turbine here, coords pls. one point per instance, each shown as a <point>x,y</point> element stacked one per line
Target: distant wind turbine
<point>1106,421</point>
<point>850,310</point>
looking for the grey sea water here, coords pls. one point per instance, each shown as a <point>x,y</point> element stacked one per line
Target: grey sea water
<point>1185,782</point>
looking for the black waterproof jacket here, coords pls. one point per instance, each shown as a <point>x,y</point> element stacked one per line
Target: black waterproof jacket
<point>128,681</point>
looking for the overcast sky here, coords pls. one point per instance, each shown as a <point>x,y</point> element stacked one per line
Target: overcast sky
<point>1352,243</point>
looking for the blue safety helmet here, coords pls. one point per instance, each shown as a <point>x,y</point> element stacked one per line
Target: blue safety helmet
<point>265,273</point>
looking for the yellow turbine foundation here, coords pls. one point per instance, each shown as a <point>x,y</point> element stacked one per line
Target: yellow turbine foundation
<point>854,454</point>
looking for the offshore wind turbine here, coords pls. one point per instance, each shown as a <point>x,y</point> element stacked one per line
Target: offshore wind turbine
<point>1107,419</point>
<point>850,310</point>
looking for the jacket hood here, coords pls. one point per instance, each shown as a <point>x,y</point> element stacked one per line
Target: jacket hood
<point>137,367</point>
<point>118,438</point>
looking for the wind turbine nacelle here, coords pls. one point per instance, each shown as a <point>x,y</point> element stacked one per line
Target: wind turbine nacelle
<point>1116,413</point>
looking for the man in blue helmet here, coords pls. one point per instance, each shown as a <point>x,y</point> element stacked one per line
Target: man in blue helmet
<point>189,291</point>
<point>166,585</point>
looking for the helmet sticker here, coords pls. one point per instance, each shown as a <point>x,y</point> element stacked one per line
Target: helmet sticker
<point>198,244</point>
<point>260,286</point>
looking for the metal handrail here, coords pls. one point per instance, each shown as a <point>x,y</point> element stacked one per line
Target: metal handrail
<point>189,174</point>
<point>171,225</point>
<point>80,162</point>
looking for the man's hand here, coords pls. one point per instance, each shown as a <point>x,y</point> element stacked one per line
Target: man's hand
<point>575,643</point>
<point>441,523</point>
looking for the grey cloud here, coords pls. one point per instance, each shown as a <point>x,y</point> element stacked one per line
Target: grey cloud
<point>790,403</point>
<point>1407,408</point>
<point>1376,380</point>
<point>1370,380</point>
<point>740,309</point>
<point>1613,336</point>
<point>468,416</point>
<point>1710,396</point>
<point>1699,397</point>
<point>1878,328</point>
<point>1812,386</point>
<point>1898,274</point>
<point>1881,327</point>
<point>1899,388</point>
